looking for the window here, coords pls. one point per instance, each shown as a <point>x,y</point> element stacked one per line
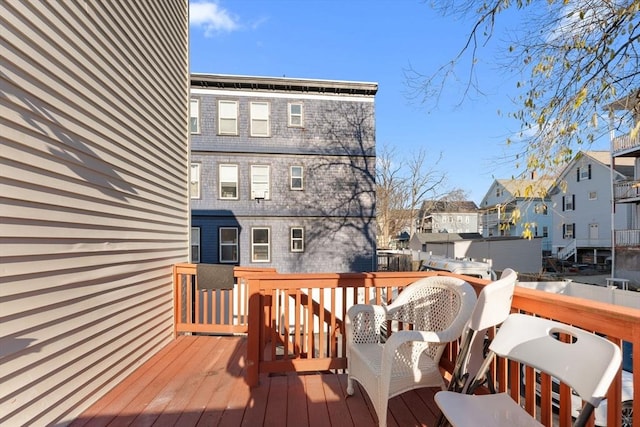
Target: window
<point>195,244</point>
<point>260,182</point>
<point>568,231</point>
<point>227,118</point>
<point>583,173</point>
<point>297,239</point>
<point>541,209</point>
<point>229,182</point>
<point>259,119</point>
<point>545,231</point>
<point>194,116</point>
<point>228,244</point>
<point>498,192</point>
<point>459,218</point>
<point>295,115</point>
<point>194,181</point>
<point>569,203</point>
<point>593,195</point>
<point>260,248</point>
<point>296,178</point>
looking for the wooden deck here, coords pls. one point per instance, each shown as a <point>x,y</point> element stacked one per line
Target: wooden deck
<point>199,381</point>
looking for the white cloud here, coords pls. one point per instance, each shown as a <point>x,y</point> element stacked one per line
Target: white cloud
<point>578,18</point>
<point>211,18</point>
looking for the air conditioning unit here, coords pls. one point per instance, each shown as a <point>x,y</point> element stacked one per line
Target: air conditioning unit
<point>260,195</point>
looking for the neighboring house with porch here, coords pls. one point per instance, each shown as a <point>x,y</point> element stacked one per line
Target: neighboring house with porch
<point>440,216</point>
<point>582,210</point>
<point>518,208</point>
<point>626,148</point>
<point>282,173</point>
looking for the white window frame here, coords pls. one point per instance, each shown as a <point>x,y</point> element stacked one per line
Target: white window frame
<point>195,245</point>
<point>259,113</point>
<point>194,115</point>
<point>297,242</point>
<point>227,115</point>
<point>296,120</point>
<point>235,243</point>
<point>296,176</point>
<point>255,256</point>
<point>194,180</point>
<point>569,203</point>
<point>541,209</point>
<point>569,231</point>
<point>260,181</point>
<point>584,172</point>
<point>226,178</point>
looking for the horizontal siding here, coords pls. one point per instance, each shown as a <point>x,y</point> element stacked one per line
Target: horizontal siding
<point>94,211</point>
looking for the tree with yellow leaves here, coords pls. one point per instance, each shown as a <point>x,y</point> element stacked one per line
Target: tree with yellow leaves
<point>572,59</point>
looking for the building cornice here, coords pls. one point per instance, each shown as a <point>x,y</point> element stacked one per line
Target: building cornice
<point>282,84</point>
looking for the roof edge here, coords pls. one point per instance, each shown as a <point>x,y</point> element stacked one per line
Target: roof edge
<point>227,81</point>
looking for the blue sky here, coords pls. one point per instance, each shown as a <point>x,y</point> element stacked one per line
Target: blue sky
<point>372,41</point>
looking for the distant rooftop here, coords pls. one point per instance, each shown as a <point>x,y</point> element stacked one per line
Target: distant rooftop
<point>288,84</point>
<point>442,206</point>
<point>446,237</point>
<point>522,187</point>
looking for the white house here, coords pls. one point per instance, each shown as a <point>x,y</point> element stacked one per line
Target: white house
<point>582,209</point>
<point>441,216</point>
<point>518,207</point>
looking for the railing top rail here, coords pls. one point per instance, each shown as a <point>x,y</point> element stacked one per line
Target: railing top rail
<point>269,281</point>
<point>609,319</point>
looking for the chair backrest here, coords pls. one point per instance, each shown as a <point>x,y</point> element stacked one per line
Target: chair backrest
<point>492,308</point>
<point>435,303</point>
<point>494,302</point>
<point>587,362</point>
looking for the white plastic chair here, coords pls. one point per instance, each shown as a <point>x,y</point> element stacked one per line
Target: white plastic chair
<point>438,307</point>
<point>491,309</point>
<point>588,364</point>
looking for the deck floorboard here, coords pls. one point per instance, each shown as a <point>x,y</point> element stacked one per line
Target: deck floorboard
<point>199,381</point>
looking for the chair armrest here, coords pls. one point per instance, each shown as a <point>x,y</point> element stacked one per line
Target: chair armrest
<point>363,323</point>
<point>420,340</point>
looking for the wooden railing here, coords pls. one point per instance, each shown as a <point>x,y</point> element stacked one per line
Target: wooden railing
<point>625,142</point>
<point>627,237</point>
<point>295,324</point>
<point>626,190</point>
<point>210,311</point>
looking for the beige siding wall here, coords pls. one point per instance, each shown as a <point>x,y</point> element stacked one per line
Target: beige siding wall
<point>94,210</point>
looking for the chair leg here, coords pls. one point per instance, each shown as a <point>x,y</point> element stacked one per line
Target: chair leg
<point>349,385</point>
<point>382,415</point>
<point>442,421</point>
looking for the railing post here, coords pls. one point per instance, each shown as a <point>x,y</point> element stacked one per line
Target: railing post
<point>175,301</point>
<point>254,330</point>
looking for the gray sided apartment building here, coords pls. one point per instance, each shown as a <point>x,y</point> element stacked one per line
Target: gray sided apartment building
<point>283,173</point>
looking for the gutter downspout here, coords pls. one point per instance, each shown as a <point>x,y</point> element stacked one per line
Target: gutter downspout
<point>613,202</point>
